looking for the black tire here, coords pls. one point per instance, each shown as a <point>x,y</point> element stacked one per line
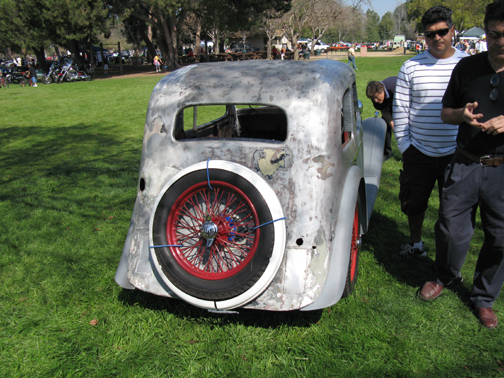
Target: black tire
<point>23,81</point>
<point>238,256</point>
<point>353,264</point>
<point>47,79</point>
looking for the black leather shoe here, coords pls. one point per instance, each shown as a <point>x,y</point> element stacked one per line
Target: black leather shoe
<point>487,317</point>
<point>431,290</point>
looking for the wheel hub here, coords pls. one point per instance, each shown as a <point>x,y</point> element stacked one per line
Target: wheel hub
<point>209,230</point>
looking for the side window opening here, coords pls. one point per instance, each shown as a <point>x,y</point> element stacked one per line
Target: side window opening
<point>356,109</point>
<point>231,121</point>
<point>347,117</point>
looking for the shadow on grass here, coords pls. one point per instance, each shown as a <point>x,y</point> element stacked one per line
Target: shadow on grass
<point>414,271</point>
<point>82,155</point>
<point>249,318</point>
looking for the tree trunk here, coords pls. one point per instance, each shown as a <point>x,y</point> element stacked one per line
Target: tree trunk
<point>151,50</point>
<point>40,53</point>
<point>73,46</point>
<point>197,38</point>
<point>170,39</point>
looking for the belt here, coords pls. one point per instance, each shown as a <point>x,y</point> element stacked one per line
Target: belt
<point>485,160</point>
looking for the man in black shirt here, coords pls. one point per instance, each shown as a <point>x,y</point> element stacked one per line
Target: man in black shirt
<point>32,75</point>
<point>381,94</point>
<point>474,100</point>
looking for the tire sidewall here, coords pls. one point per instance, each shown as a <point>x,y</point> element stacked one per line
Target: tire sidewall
<point>220,289</point>
<point>279,239</point>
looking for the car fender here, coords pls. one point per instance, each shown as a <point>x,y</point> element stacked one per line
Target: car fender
<point>340,254</point>
<point>121,276</point>
<point>375,130</point>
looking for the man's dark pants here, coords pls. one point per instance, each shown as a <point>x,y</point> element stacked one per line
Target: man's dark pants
<point>467,186</point>
<point>418,178</point>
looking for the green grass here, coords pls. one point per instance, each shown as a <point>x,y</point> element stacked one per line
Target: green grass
<point>69,164</point>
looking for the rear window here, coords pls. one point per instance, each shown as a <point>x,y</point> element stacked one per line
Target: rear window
<point>243,121</point>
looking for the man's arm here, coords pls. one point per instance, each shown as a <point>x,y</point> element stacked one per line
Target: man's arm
<point>466,114</point>
<point>457,116</point>
<point>387,116</point>
<point>401,107</point>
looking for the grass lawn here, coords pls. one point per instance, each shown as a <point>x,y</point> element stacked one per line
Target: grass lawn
<point>69,163</point>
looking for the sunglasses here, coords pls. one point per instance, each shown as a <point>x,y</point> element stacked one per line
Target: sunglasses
<point>440,32</point>
<point>494,34</point>
<point>494,81</point>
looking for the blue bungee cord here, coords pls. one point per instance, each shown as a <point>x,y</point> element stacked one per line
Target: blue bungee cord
<point>208,174</point>
<point>167,245</point>
<point>264,224</point>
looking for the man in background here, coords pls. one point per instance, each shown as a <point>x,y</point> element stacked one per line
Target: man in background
<point>381,94</point>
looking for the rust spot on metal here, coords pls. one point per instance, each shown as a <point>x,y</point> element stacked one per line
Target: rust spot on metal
<point>323,171</point>
<point>267,161</point>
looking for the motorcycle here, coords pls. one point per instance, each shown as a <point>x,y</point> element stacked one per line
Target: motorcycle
<point>53,73</point>
<point>70,72</point>
<point>4,77</point>
<point>17,74</point>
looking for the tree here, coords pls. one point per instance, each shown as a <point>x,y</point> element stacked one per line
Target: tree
<point>271,24</point>
<point>33,24</point>
<point>355,27</point>
<point>386,26</point>
<point>372,21</point>
<point>323,13</point>
<point>168,17</point>
<point>402,25</point>
<point>466,14</point>
<point>349,27</point>
<point>294,21</point>
<point>316,16</point>
<point>75,23</point>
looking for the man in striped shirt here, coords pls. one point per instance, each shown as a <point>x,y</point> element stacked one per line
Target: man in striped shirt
<point>426,143</point>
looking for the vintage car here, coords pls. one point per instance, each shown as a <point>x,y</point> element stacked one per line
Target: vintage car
<point>257,180</point>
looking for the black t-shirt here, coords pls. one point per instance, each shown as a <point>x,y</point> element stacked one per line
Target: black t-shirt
<point>390,84</point>
<point>33,73</point>
<point>470,82</point>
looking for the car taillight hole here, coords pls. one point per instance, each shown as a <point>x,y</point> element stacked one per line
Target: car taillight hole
<point>142,184</point>
<point>299,242</point>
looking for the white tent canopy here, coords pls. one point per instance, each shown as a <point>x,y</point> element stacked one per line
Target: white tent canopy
<point>473,33</point>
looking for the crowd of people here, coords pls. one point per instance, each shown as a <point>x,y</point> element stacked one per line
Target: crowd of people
<point>446,109</point>
<point>472,46</point>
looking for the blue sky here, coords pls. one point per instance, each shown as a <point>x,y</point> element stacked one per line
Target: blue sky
<point>383,6</point>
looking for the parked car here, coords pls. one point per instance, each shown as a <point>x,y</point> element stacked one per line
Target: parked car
<point>319,46</point>
<point>240,47</point>
<point>255,186</point>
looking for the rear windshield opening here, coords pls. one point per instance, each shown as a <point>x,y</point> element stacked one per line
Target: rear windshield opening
<point>268,123</point>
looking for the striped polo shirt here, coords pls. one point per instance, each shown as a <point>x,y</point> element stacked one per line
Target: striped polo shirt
<point>421,84</point>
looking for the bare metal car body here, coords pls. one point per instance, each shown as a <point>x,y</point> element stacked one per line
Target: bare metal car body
<point>291,146</point>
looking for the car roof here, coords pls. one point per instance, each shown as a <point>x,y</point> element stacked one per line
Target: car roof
<point>278,83</point>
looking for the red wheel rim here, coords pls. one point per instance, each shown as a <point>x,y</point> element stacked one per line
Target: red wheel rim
<point>233,216</point>
<point>355,245</point>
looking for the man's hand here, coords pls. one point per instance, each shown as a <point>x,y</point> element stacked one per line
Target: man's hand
<point>469,117</point>
<point>459,115</point>
<point>493,126</point>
